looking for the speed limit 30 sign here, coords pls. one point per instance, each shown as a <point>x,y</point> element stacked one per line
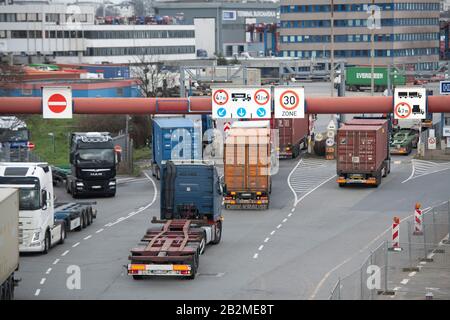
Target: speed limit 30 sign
<point>289,102</point>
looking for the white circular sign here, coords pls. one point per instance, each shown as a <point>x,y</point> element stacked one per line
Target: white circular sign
<point>329,142</point>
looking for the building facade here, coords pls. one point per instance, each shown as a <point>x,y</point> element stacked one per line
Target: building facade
<point>72,34</point>
<point>239,26</point>
<point>406,32</point>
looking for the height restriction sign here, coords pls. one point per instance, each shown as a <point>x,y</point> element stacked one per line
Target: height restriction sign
<point>410,103</point>
<point>289,102</point>
<point>57,102</point>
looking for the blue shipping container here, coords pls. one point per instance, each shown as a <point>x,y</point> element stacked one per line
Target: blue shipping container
<point>109,72</point>
<point>188,189</point>
<point>175,138</point>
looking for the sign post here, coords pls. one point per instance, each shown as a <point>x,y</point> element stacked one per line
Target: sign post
<point>57,102</point>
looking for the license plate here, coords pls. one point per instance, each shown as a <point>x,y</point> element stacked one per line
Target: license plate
<point>96,187</point>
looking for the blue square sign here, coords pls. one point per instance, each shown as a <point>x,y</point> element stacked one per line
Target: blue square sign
<point>445,87</point>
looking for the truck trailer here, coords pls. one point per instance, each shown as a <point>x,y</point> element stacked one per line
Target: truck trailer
<point>247,165</point>
<point>42,223</point>
<point>190,218</point>
<point>174,138</point>
<point>363,153</point>
<point>293,136</point>
<point>9,241</point>
<point>94,161</point>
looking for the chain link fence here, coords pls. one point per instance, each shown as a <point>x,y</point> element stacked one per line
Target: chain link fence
<point>384,266</point>
<point>126,143</point>
<point>19,154</point>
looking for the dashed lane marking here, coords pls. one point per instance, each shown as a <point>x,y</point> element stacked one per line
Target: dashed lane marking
<point>56,261</point>
<point>404,281</point>
<point>65,252</point>
<point>43,281</point>
<point>88,237</point>
<point>76,245</point>
<point>37,292</point>
<point>48,271</point>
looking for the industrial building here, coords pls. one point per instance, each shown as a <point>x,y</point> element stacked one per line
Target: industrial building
<point>66,33</point>
<point>249,26</point>
<point>405,32</point>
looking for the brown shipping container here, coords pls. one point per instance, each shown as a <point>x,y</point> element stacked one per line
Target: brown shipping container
<point>361,148</point>
<point>247,160</point>
<point>291,132</point>
<point>368,122</point>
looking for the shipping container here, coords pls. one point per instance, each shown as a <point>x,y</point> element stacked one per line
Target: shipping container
<point>109,71</point>
<point>247,162</point>
<point>9,241</point>
<point>293,136</point>
<point>359,78</point>
<point>176,139</point>
<point>362,154</point>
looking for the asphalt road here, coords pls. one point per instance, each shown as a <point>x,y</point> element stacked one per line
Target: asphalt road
<point>313,233</point>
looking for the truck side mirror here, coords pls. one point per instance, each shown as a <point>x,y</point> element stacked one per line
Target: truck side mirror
<point>44,199</point>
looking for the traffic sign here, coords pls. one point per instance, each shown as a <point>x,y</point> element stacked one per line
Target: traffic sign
<point>57,102</point>
<point>329,142</point>
<point>289,102</point>
<point>242,103</point>
<point>410,103</point>
<point>331,126</point>
<point>445,87</point>
<point>432,143</point>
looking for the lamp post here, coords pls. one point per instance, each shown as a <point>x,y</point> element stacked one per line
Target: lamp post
<point>52,135</point>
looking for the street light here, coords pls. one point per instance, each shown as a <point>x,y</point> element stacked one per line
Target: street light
<point>52,135</point>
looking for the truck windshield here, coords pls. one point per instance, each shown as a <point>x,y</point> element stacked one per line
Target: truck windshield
<point>29,199</point>
<point>103,156</point>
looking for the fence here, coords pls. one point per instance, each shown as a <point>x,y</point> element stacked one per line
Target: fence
<point>126,143</point>
<point>379,272</point>
<point>20,154</point>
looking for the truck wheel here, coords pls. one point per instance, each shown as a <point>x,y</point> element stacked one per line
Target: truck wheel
<point>202,246</point>
<point>46,243</point>
<point>63,233</point>
<point>217,233</point>
<point>341,185</point>
<point>194,267</point>
<point>67,187</point>
<point>136,277</point>
<point>158,174</point>
<point>153,170</point>
<point>84,214</point>
<point>80,227</point>
<point>11,288</point>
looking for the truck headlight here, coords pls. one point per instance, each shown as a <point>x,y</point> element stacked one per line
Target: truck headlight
<point>80,184</point>
<point>112,183</point>
<point>36,236</point>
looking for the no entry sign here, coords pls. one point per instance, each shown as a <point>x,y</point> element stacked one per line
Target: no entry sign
<point>57,103</point>
<point>289,102</point>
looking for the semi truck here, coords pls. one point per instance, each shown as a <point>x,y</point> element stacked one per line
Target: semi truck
<point>94,161</point>
<point>174,138</point>
<point>363,153</point>
<point>247,164</point>
<point>9,241</point>
<point>359,78</point>
<point>42,222</point>
<point>190,218</point>
<point>293,136</point>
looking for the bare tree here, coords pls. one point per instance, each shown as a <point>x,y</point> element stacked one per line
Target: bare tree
<point>10,77</point>
<point>152,80</point>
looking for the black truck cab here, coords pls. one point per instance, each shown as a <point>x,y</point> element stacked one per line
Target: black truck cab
<point>93,162</point>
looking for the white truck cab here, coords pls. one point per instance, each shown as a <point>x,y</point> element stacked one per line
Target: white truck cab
<point>37,228</point>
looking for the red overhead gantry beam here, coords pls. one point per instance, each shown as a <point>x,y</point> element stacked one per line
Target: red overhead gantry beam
<point>199,105</point>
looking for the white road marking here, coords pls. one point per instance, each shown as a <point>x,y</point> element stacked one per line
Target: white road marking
<point>65,252</point>
<point>260,247</point>
<point>421,168</point>
<point>108,225</point>
<point>48,271</point>
<point>37,292</point>
<point>272,233</point>
<point>76,245</point>
<point>293,209</point>
<point>412,274</point>
<point>266,240</point>
<point>43,281</point>
<point>99,230</point>
<point>88,237</point>
<point>255,256</point>
<point>397,288</point>
<point>279,226</point>
<point>56,261</point>
<point>284,220</point>
<point>431,255</point>
<point>404,281</point>
<point>423,262</point>
<point>290,215</point>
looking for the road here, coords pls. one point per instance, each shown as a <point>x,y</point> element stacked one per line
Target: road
<point>313,233</point>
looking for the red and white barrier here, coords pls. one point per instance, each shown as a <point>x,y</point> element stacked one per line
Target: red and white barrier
<point>396,234</point>
<point>418,219</point>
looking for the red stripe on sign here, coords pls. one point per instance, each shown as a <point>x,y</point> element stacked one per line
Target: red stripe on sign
<point>395,235</point>
<point>57,103</point>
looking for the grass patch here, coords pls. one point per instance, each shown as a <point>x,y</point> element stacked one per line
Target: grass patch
<point>141,154</point>
<point>61,128</point>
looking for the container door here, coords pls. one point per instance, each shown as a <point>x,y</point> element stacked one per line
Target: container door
<point>235,160</point>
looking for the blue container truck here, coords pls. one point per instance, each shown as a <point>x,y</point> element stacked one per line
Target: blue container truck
<point>191,214</point>
<point>174,139</point>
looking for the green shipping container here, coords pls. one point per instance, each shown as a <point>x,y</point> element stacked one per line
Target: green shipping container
<point>361,76</point>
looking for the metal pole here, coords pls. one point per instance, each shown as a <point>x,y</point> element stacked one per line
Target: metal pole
<point>435,238</point>
<point>332,49</point>
<point>372,51</point>
<point>386,267</point>
<point>389,82</point>
<point>410,229</point>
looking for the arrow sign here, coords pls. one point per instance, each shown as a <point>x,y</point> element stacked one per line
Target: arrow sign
<point>241,112</point>
<point>261,112</point>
